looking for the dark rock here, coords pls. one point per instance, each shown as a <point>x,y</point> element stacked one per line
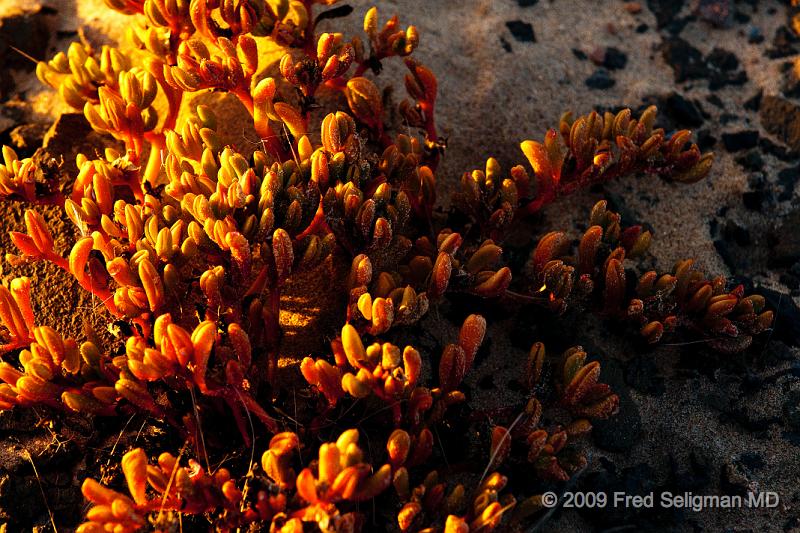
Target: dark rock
<point>26,30</point>
<point>643,375</point>
<point>686,60</point>
<point>783,44</point>
<point>751,161</point>
<point>600,79</point>
<point>642,28</point>
<point>6,86</point>
<point>505,44</point>
<point>775,149</point>
<point>713,227</point>
<point>735,232</point>
<point>760,193</point>
<point>794,270</point>
<point>527,3</point>
<point>54,161</point>
<point>617,203</point>
<point>580,54</point>
<point>683,112</point>
<point>735,262</point>
<point>675,111</point>
<point>754,35</point>
<point>781,118</point>
<point>487,382</point>
<point>719,67</point>
<point>757,181</point>
<point>787,246</point>
<point>717,12</point>
<point>722,67</point>
<point>715,100</point>
<point>753,200</point>
<point>665,11</point>
<point>751,460</point>
<point>787,179</point>
<point>751,382</point>
<point>522,31</point>
<point>723,60</point>
<point>791,282</point>
<point>754,102</point>
<point>792,437</point>
<point>705,141</point>
<point>676,26</point>
<point>9,119</point>
<point>25,139</point>
<point>623,430</point>
<point>615,59</point>
<point>740,140</point>
<point>786,325</point>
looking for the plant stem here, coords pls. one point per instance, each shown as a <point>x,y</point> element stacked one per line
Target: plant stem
<point>154,161</point>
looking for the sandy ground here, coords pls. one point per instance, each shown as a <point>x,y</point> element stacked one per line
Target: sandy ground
<point>491,99</point>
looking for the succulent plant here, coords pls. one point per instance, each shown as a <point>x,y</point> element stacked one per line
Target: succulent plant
<point>191,241</point>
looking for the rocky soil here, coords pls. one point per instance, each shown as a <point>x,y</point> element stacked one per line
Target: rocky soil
<point>690,420</point>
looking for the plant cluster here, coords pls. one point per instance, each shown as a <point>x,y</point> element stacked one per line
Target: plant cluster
<point>191,241</point>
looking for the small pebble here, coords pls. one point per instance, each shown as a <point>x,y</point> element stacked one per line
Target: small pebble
<point>754,35</point>
<point>600,79</point>
<point>633,7</point>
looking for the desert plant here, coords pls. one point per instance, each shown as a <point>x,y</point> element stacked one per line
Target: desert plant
<point>191,241</point>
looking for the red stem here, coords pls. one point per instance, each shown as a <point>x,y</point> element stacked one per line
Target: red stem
<point>316,224</point>
<point>268,137</point>
<point>430,127</point>
<point>361,69</point>
<point>153,168</point>
<point>14,345</point>
<point>273,333</point>
<point>55,198</point>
